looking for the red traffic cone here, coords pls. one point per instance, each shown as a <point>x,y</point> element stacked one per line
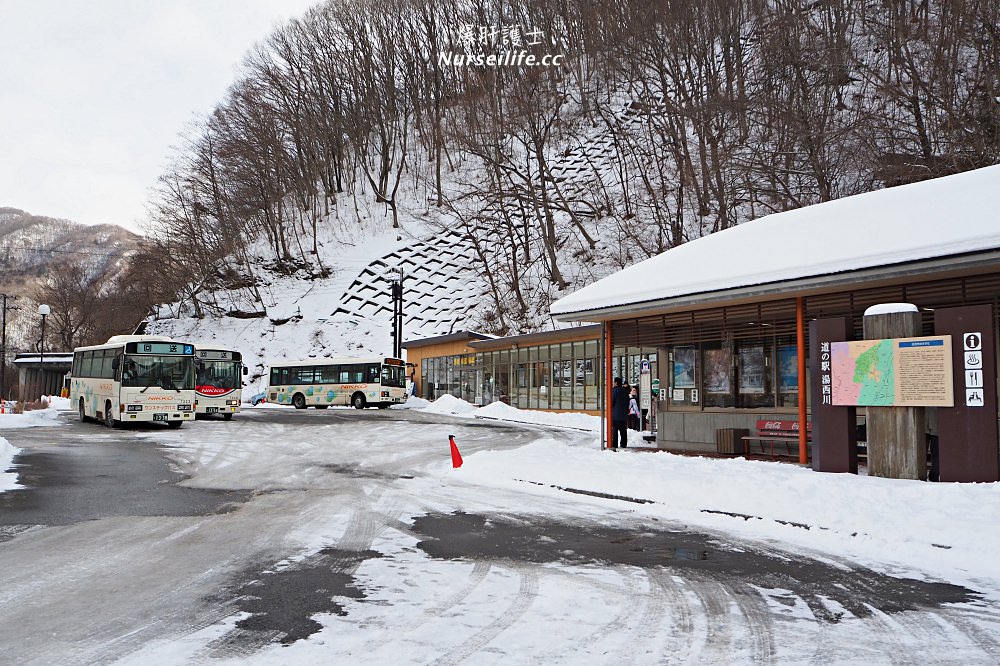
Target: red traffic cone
<point>456,457</point>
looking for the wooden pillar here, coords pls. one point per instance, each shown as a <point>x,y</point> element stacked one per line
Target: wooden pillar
<point>606,413</point>
<point>897,436</point>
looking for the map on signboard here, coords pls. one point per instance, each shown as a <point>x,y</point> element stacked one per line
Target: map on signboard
<point>862,373</point>
<point>900,372</point>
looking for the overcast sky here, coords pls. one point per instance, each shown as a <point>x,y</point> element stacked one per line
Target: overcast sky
<point>94,93</point>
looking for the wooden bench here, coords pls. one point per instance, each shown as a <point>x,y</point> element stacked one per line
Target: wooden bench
<point>771,432</point>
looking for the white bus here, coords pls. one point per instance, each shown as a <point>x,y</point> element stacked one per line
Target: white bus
<point>134,378</point>
<point>319,383</point>
<point>219,380</point>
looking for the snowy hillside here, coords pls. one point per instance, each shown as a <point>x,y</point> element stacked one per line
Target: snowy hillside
<point>347,313</point>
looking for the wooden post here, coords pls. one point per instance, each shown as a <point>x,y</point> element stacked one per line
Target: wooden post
<point>897,437</point>
<point>607,385</point>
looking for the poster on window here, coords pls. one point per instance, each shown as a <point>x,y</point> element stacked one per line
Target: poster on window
<point>752,370</point>
<point>684,368</point>
<point>717,366</point>
<point>788,369</point>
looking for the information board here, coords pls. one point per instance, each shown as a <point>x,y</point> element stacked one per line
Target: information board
<point>898,372</point>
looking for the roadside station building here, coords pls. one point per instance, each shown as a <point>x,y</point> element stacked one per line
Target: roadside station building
<point>738,317</point>
<point>559,370</point>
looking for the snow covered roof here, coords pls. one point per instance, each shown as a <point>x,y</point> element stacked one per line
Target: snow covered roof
<point>954,215</point>
<point>55,358</point>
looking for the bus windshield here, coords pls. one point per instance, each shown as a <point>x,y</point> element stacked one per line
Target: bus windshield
<point>392,375</point>
<point>220,374</point>
<point>175,373</point>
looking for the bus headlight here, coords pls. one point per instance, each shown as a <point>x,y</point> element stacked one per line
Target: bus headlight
<point>232,403</point>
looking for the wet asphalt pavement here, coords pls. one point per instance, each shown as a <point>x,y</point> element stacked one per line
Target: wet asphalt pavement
<point>100,477</point>
<point>86,473</point>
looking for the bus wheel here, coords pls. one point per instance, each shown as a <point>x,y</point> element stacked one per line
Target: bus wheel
<point>383,405</point>
<point>175,424</point>
<point>83,412</point>
<point>299,401</point>
<point>109,419</point>
<point>358,400</point>
<point>228,417</point>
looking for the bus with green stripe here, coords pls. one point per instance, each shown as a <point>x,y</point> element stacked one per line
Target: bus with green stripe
<point>321,383</point>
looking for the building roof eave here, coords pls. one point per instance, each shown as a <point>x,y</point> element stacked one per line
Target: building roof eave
<point>949,266</point>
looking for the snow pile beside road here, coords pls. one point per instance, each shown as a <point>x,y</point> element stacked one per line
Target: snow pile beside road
<point>59,404</point>
<point>449,404</point>
<point>412,402</point>
<point>36,417</point>
<point>8,480</point>
<point>504,412</point>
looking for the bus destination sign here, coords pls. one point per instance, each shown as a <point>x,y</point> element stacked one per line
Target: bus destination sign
<point>162,348</point>
<point>218,355</point>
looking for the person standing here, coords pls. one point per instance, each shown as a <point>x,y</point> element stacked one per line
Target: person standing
<point>633,410</point>
<point>619,414</point>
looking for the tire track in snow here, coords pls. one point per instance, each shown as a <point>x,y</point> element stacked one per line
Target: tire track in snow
<point>682,643</point>
<point>525,596</point>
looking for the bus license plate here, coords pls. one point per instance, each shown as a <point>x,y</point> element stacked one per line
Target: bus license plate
<point>211,410</point>
<point>159,417</point>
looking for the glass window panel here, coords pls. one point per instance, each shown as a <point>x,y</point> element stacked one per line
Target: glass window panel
<point>684,376</point>
<point>786,368</point>
<point>753,375</point>
<point>87,364</point>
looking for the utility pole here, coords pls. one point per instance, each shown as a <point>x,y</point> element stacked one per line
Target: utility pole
<point>399,324</point>
<point>397,317</point>
<point>3,346</point>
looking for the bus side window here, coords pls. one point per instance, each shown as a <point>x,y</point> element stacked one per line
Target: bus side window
<point>373,374</point>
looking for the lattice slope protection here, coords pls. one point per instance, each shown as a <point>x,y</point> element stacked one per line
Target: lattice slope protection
<point>441,287</point>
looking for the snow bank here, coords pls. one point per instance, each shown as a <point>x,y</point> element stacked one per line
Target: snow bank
<point>505,412</point>
<point>499,411</point>
<point>8,480</point>
<point>412,402</point>
<point>36,417</point>
<point>449,404</point>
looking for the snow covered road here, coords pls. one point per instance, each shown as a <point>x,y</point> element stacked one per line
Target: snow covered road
<point>343,536</point>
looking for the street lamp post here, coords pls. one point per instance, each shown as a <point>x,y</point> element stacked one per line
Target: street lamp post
<point>44,311</point>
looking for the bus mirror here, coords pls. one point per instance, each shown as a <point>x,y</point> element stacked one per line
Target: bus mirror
<point>245,370</point>
<point>115,362</point>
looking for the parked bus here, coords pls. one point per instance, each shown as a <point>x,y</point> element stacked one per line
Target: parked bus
<point>134,378</point>
<point>319,383</point>
<point>219,380</point>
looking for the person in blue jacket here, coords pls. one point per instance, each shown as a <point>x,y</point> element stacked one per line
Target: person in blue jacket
<point>619,414</point>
